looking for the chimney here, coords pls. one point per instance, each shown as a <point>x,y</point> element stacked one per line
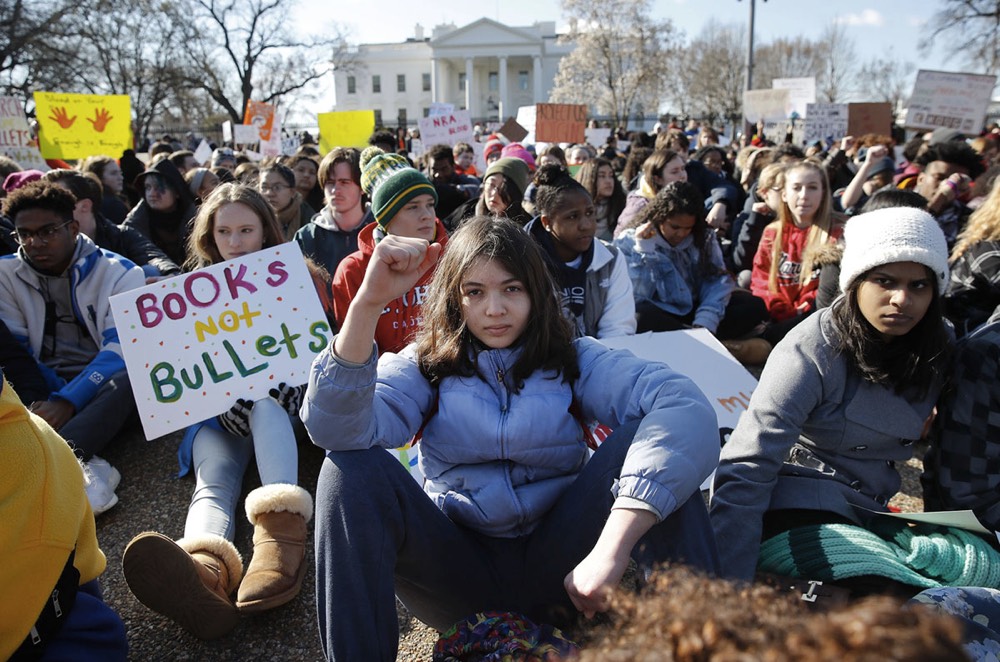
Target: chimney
<point>418,32</point>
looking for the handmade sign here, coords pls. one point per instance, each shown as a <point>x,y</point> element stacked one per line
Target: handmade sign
<point>75,126</point>
<point>346,128</point>
<point>766,105</point>
<point>826,121</point>
<point>801,93</point>
<point>559,122</point>
<point>260,115</point>
<point>446,129</point>
<point>195,343</point>
<point>949,100</point>
<point>16,140</point>
<point>865,118</point>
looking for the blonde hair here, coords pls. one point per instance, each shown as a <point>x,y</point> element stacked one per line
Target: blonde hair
<point>983,225</point>
<point>819,231</point>
<point>772,177</point>
<point>202,250</point>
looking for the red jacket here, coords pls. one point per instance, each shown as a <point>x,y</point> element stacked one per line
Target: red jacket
<point>783,304</point>
<point>402,317</point>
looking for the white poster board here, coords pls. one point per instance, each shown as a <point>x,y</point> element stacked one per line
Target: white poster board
<point>949,100</point>
<point>16,140</point>
<point>203,154</point>
<point>437,109</point>
<point>826,120</point>
<point>801,92</point>
<point>195,343</point>
<point>767,105</point>
<point>597,137</point>
<point>526,118</point>
<point>245,134</point>
<point>447,129</point>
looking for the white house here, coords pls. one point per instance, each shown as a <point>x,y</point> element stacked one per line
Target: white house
<point>487,67</point>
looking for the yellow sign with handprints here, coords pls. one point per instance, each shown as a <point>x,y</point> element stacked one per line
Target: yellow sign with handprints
<point>347,128</point>
<point>74,126</point>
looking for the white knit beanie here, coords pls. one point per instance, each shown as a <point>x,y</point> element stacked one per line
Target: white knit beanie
<point>896,234</point>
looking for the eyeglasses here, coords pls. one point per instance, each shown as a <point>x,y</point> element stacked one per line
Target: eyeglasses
<point>25,237</point>
<point>275,188</point>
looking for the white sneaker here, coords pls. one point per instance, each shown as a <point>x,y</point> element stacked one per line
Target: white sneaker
<point>108,473</point>
<point>102,498</point>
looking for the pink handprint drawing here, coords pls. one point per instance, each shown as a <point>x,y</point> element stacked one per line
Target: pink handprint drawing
<point>101,119</point>
<point>60,117</point>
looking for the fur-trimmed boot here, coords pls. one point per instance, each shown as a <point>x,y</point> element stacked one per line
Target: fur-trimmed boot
<point>279,514</point>
<point>188,581</point>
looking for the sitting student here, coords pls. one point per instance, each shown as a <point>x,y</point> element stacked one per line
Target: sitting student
<point>166,210</point>
<point>677,273</point>
<point>54,296</point>
<point>452,189</point>
<point>333,233</point>
<point>842,398</point>
<point>514,517</point>
<point>974,291</point>
<point>598,177</point>
<point>306,172</point>
<point>277,184</point>
<point>465,158</point>
<point>945,182</point>
<point>662,167</point>
<point>752,221</point>
<point>126,241</point>
<point>50,598</point>
<point>403,205</point>
<point>201,182</point>
<point>502,196</point>
<point>190,581</point>
<point>592,276</point>
<point>107,170</point>
<point>874,173</point>
<point>785,274</point>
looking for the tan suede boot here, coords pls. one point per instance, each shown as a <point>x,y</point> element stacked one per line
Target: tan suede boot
<point>188,581</point>
<point>279,514</point>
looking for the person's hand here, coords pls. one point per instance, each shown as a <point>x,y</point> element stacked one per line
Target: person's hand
<point>875,153</point>
<point>55,412</point>
<point>717,217</point>
<point>846,143</point>
<point>61,117</point>
<point>804,307</point>
<point>591,583</point>
<point>289,397</point>
<point>395,267</point>
<point>761,208</point>
<point>237,419</point>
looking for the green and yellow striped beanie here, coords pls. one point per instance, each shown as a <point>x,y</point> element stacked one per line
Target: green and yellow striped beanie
<point>391,183</point>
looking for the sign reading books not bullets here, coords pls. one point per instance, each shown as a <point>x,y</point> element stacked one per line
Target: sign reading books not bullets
<point>195,343</point>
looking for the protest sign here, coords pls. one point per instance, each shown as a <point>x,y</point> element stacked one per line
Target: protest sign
<point>865,118</point>
<point>766,105</point>
<point>597,137</point>
<point>440,109</point>
<point>74,126</point>
<point>801,93</point>
<point>346,128</point>
<point>826,121</point>
<point>260,115</point>
<point>195,343</point>
<point>227,131</point>
<point>203,153</point>
<point>513,131</point>
<point>244,134</point>
<point>526,118</point>
<point>942,99</point>
<point>447,129</point>
<point>16,141</point>
<point>560,122</point>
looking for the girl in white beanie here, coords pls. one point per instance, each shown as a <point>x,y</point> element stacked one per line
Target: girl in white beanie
<point>843,397</point>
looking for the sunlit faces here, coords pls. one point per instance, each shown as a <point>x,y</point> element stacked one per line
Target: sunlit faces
<point>803,193</point>
<point>549,159</point>
<point>342,193</point>
<point>159,196</point>
<point>442,170</point>
<point>237,231</point>
<point>676,228</point>
<point>495,304</point>
<point>276,191</point>
<point>674,171</point>
<point>465,159</point>
<point>47,239</point>
<point>572,224</point>
<point>772,197</point>
<point>493,193</point>
<point>605,182</point>
<point>112,178</point>
<point>713,162</point>
<point>935,173</point>
<point>416,219</point>
<point>305,175</point>
<point>895,297</point>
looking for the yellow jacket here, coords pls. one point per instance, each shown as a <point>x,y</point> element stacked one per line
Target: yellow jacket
<point>44,514</point>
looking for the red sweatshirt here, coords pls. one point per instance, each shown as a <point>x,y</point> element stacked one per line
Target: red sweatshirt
<point>402,317</point>
<point>782,305</point>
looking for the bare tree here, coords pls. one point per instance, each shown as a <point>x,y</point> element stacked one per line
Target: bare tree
<point>796,57</point>
<point>32,40</point>
<point>835,77</point>
<point>712,78</point>
<point>971,29</point>
<point>886,78</point>
<point>247,49</point>
<point>621,60</point>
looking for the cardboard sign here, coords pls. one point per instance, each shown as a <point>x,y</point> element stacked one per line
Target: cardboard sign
<point>560,122</point>
<point>260,115</point>
<point>513,131</point>
<point>244,134</point>
<point>440,109</point>
<point>16,140</point>
<point>447,129</point>
<point>203,153</point>
<point>195,343</point>
<point>825,121</point>
<point>75,126</point>
<point>347,128</point>
<point>801,93</point>
<point>949,100</point>
<point>767,105</point>
<point>865,118</point>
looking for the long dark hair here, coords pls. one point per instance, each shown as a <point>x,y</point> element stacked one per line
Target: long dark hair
<point>587,175</point>
<point>674,199</point>
<point>911,363</point>
<point>445,345</point>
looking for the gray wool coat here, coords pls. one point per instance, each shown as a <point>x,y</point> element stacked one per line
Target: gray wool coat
<point>816,437</point>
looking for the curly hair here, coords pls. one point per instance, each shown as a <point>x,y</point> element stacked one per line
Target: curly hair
<point>674,199</point>
<point>40,195</point>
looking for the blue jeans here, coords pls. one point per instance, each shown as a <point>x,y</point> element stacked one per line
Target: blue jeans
<point>94,426</point>
<point>220,459</point>
<point>378,536</point>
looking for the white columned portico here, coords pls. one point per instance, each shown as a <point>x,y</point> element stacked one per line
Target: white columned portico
<point>468,86</point>
<point>502,110</point>
<point>437,83</point>
<point>536,77</point>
